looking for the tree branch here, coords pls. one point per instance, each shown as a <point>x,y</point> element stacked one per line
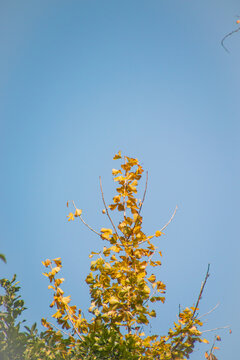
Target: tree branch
<point>106,207</point>
<point>218,328</point>
<point>201,291</point>
<point>61,330</point>
<point>144,194</point>
<point>89,227</point>
<point>164,227</point>
<point>209,312</point>
<point>226,36</point>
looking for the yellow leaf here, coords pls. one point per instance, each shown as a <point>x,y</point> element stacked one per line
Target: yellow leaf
<point>115,172</point>
<point>158,233</point>
<point>78,212</point>
<point>119,178</point>
<point>218,338</point>
<point>59,281</point>
<point>112,206</point>
<point>46,263</point>
<point>135,216</point>
<point>70,216</point>
<point>105,236</point>
<point>205,341</point>
<point>116,199</point>
<point>113,300</point>
<point>104,230</point>
<point>57,315</point>
<point>93,253</point>
<point>115,248</point>
<point>117,156</point>
<point>66,299</point>
<point>57,261</point>
<point>55,270</point>
<point>104,211</point>
<point>146,289</point>
<point>120,207</point>
<point>152,278</point>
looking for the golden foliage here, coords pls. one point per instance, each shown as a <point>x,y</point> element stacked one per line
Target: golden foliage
<point>122,290</point>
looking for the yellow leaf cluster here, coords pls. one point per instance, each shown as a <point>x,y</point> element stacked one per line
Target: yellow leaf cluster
<point>122,289</point>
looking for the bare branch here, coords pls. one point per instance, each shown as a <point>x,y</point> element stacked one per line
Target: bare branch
<point>164,227</point>
<point>90,228</point>
<point>144,193</point>
<point>218,328</point>
<point>201,290</point>
<point>106,207</point>
<point>62,331</point>
<point>209,312</point>
<point>226,36</point>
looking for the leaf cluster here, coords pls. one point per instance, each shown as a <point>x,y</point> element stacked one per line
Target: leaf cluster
<point>124,289</point>
<point>123,286</point>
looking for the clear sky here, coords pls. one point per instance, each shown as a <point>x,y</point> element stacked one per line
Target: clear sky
<point>81,80</point>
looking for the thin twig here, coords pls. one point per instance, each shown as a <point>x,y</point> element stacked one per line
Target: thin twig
<point>164,227</point>
<point>218,328</point>
<point>212,349</point>
<point>124,196</point>
<point>67,307</point>
<point>197,303</point>
<point>90,228</point>
<point>144,193</point>
<point>226,36</point>
<point>209,312</point>
<point>106,207</point>
<point>69,316</point>
<point>62,331</point>
<point>201,291</point>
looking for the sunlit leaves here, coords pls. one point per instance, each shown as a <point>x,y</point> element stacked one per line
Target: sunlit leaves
<point>78,212</point>
<point>106,233</point>
<point>123,283</point>
<point>116,172</point>
<point>57,261</point>
<point>70,216</point>
<point>152,278</point>
<point>117,156</point>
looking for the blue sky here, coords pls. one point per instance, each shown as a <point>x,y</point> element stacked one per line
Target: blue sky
<point>81,80</point>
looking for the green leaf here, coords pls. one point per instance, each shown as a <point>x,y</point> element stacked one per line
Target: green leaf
<point>2,257</point>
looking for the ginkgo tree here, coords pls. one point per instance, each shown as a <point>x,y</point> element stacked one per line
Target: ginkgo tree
<point>123,287</point>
